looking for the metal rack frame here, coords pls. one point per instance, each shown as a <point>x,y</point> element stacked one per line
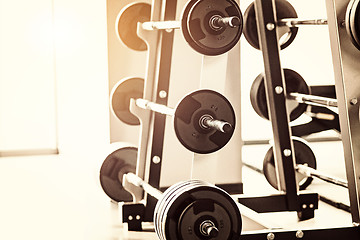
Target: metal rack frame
<point>347,71</point>
<point>289,199</point>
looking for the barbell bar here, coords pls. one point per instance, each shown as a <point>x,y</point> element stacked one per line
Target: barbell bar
<point>294,22</point>
<point>297,93</point>
<point>216,23</point>
<point>313,100</point>
<point>310,172</point>
<point>209,27</point>
<point>204,120</point>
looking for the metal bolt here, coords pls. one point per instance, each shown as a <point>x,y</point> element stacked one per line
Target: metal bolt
<point>137,217</point>
<point>130,217</point>
<point>195,135</point>
<point>311,205</point>
<point>287,152</point>
<point>156,159</point>
<point>353,101</point>
<point>270,236</point>
<point>270,26</point>
<point>279,90</point>
<point>304,206</point>
<point>299,234</point>
<point>343,24</point>
<point>162,94</point>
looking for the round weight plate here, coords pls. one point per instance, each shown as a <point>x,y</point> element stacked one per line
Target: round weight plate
<point>187,121</point>
<point>195,25</point>
<point>283,10</point>
<point>126,24</point>
<point>118,163</point>
<point>352,22</point>
<point>120,97</point>
<point>294,84</point>
<point>303,155</point>
<point>179,214</point>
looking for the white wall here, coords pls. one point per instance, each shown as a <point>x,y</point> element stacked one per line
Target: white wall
<point>81,73</point>
<point>27,82</point>
<point>53,75</point>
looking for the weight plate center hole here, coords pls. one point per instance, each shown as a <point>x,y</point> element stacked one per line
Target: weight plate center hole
<point>213,22</point>
<point>203,121</point>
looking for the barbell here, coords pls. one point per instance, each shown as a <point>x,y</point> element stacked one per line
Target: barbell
<point>305,167</point>
<point>210,27</point>
<point>298,95</point>
<point>188,210</point>
<point>287,24</point>
<point>204,120</point>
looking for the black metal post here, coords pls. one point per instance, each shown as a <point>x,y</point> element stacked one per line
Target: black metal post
<point>275,92</point>
<point>167,39</point>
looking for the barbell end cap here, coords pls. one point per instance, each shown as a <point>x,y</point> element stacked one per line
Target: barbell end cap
<point>227,128</point>
<point>213,232</point>
<point>235,22</point>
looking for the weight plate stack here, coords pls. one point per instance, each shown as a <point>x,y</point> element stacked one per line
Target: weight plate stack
<point>186,205</point>
<point>352,22</point>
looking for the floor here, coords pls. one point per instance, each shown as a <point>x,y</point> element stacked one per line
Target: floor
<point>59,197</point>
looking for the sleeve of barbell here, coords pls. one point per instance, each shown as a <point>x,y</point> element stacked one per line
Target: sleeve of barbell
<point>145,104</point>
<point>137,181</point>
<point>321,116</point>
<point>233,21</point>
<point>310,172</point>
<point>293,22</point>
<point>219,125</point>
<point>161,25</point>
<point>313,100</point>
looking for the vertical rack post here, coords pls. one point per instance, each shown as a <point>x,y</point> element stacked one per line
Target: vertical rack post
<point>159,55</point>
<point>289,197</point>
<point>346,59</point>
<point>160,119</point>
<point>275,92</point>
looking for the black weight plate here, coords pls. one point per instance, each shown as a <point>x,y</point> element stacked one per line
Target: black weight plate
<point>283,10</point>
<point>199,35</point>
<point>293,83</point>
<point>120,97</point>
<point>126,24</point>
<point>200,211</point>
<point>187,117</point>
<point>352,22</point>
<point>116,164</point>
<point>303,155</point>
<point>193,203</point>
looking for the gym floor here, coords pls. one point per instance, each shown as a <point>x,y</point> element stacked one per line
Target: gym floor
<point>59,197</point>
